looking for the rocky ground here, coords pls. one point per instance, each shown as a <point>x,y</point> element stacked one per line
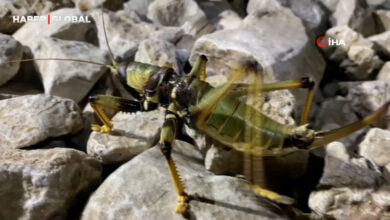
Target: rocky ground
<point>53,167</point>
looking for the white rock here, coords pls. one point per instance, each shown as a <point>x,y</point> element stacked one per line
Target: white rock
<point>384,73</point>
<point>383,17</point>
<point>86,5</point>
<point>138,6</point>
<point>78,31</point>
<point>10,50</point>
<point>376,146</point>
<point>330,4</point>
<point>181,13</point>
<point>68,79</point>
<point>142,189</point>
<point>355,14</point>
<point>132,134</point>
<point>382,42</point>
<point>124,32</point>
<point>157,52</point>
<point>27,120</point>
<point>43,184</point>
<point>229,20</point>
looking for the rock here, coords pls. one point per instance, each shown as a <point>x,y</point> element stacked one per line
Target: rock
<point>142,189</point>
<point>20,88</point>
<point>376,146</point>
<point>7,26</point>
<point>124,32</point>
<point>43,184</point>
<point>355,14</point>
<point>63,78</point>
<point>185,14</point>
<point>382,43</point>
<point>157,52</point>
<point>86,5</point>
<point>138,6</point>
<point>214,9</point>
<point>10,50</point>
<point>27,120</point>
<point>330,4</point>
<point>229,20</point>
<point>170,34</point>
<point>350,188</point>
<point>32,32</point>
<point>383,20</point>
<point>132,134</point>
<point>223,161</point>
<point>384,73</point>
<point>357,58</point>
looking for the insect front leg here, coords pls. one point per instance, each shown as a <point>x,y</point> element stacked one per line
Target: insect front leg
<point>116,103</point>
<point>168,135</point>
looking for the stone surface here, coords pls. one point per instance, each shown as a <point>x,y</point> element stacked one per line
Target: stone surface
<point>186,14</point>
<point>157,52</point>
<point>42,184</point>
<point>355,14</point>
<point>383,20</point>
<point>357,57</point>
<point>214,9</point>
<point>132,134</point>
<point>376,146</point>
<point>350,188</point>
<point>229,20</point>
<point>384,73</point>
<point>142,189</point>
<point>382,43</point>
<point>124,32</point>
<point>28,120</point>
<point>32,32</point>
<point>86,5</point>
<point>17,88</point>
<point>10,50</point>
<point>62,78</point>
<point>138,6</point>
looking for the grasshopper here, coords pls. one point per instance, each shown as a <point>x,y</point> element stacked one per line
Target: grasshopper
<point>219,113</point>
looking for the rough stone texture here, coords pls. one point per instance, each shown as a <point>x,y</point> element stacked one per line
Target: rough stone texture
<point>42,184</point>
<point>330,4</point>
<point>27,120</point>
<point>32,32</point>
<point>157,52</point>
<point>132,134</point>
<point>229,20</point>
<point>214,9</point>
<point>142,189</point>
<point>350,188</point>
<point>181,13</point>
<point>140,7</point>
<point>384,73</point>
<point>383,20</point>
<point>62,78</point>
<point>357,57</point>
<point>382,43</point>
<point>10,50</point>
<point>124,32</point>
<point>86,5</point>
<point>355,14</point>
<point>376,146</point>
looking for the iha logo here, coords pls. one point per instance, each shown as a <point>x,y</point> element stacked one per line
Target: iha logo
<point>323,41</point>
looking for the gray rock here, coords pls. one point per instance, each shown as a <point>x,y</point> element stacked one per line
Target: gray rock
<point>214,9</point>
<point>186,14</point>
<point>124,32</point>
<point>384,73</point>
<point>350,188</point>
<point>330,4</point>
<point>157,52</point>
<point>43,184</point>
<point>27,120</point>
<point>142,189</point>
<point>170,34</point>
<point>10,50</point>
<point>86,5</point>
<point>20,88</point>
<point>376,146</point>
<point>132,134</point>
<point>357,57</point>
<point>7,26</point>
<point>383,20</point>
<point>355,14</point>
<point>382,43</point>
<point>138,6</point>
<point>32,32</point>
<point>64,78</point>
<point>229,20</point>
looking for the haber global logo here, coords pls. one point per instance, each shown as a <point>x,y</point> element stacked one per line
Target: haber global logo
<point>48,19</point>
<point>324,41</point>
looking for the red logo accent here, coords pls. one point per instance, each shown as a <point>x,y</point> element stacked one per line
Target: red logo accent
<point>48,19</point>
<point>325,41</point>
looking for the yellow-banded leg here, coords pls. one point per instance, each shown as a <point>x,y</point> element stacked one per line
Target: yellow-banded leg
<point>116,103</point>
<point>305,83</point>
<point>167,137</point>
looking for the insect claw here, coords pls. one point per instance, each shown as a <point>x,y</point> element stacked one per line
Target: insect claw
<point>102,129</point>
<point>182,205</point>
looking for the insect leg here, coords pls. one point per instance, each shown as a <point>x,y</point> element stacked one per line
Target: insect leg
<point>305,83</point>
<point>112,102</point>
<point>167,137</point>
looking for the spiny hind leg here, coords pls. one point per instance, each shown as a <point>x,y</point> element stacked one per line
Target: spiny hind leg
<point>167,137</point>
<point>274,196</point>
<point>112,102</point>
<point>305,83</point>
